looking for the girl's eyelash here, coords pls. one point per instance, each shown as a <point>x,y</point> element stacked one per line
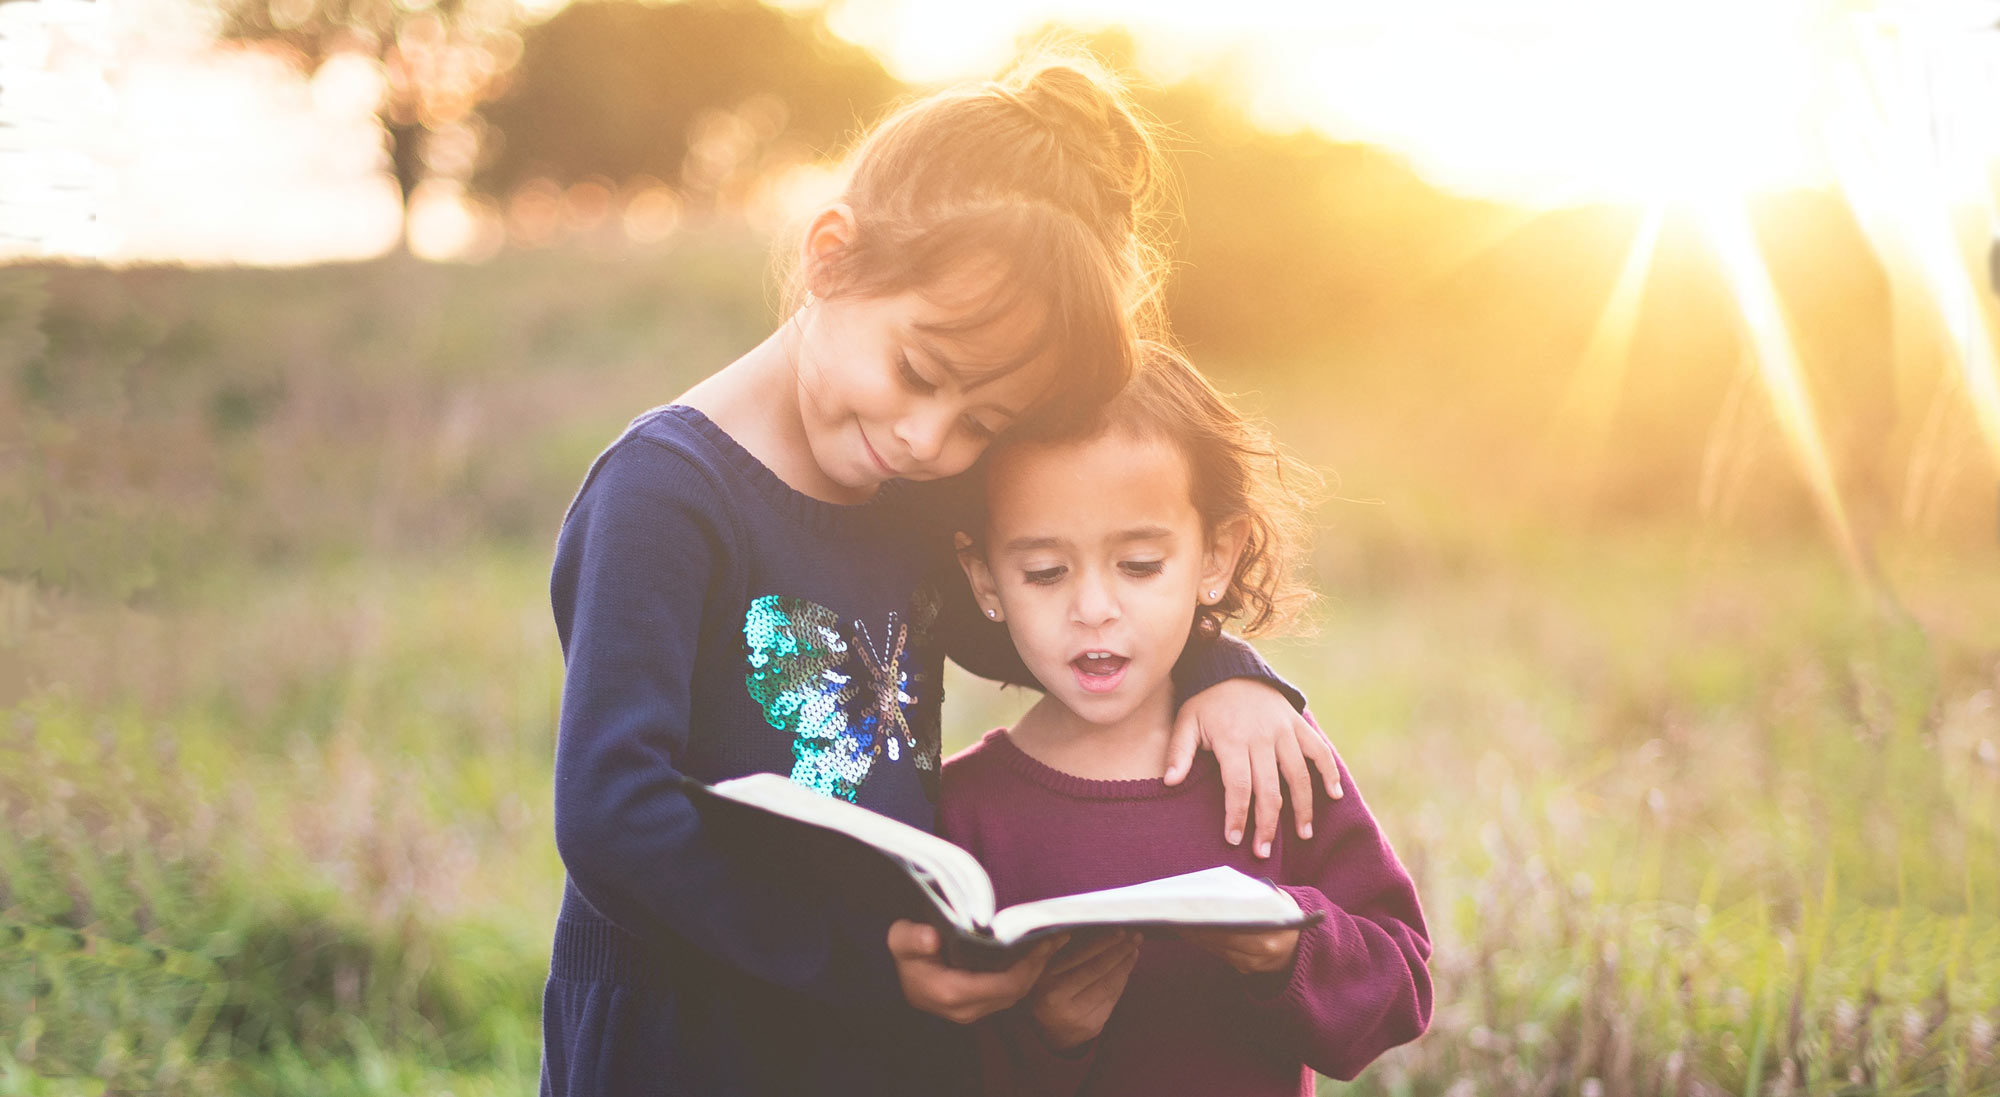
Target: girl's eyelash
<point>910,375</point>
<point>1045,576</point>
<point>918,383</point>
<point>1144,567</point>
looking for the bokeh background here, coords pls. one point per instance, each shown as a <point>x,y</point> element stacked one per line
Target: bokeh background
<point>1649,348</point>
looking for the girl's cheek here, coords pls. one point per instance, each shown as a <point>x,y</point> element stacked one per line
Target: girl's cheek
<point>963,455</point>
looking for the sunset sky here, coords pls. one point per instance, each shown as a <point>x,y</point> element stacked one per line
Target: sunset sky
<point>134,138</point>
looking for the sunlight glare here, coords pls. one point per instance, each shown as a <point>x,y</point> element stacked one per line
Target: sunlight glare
<point>1727,226</point>
<point>139,142</point>
<point>1593,393</point>
<point>1913,165</point>
<point>1536,101</point>
<point>1562,101</point>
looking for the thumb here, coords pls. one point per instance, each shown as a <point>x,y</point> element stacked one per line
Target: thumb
<point>913,940</point>
<point>1181,746</point>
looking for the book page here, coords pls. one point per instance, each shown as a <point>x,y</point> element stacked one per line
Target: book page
<point>1212,897</point>
<point>951,875</point>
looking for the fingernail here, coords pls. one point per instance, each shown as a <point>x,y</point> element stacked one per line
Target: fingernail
<point>1305,830</point>
<point>1263,849</point>
<point>1235,837</point>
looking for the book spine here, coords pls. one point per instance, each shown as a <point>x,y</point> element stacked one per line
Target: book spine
<point>969,953</point>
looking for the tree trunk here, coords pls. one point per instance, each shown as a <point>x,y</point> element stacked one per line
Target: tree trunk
<point>406,160</point>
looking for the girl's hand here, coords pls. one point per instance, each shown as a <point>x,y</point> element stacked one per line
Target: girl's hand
<point>1263,952</point>
<point>1261,745</point>
<point>1081,986</point>
<point>955,995</point>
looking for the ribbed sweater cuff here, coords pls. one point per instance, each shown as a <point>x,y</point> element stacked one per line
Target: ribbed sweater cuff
<point>1226,658</point>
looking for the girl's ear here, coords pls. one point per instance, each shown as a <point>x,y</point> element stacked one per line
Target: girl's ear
<point>1218,564</point>
<point>832,231</point>
<point>981,577</point>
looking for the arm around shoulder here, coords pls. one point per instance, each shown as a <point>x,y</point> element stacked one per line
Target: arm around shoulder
<point>1206,664</point>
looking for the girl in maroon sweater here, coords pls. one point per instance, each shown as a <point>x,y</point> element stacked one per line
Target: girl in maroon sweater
<point>1106,557</point>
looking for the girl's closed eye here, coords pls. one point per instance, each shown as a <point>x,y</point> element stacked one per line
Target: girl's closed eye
<point>1143,569</point>
<point>1042,577</point>
<point>917,382</point>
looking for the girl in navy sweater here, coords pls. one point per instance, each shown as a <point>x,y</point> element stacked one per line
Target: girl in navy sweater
<point>748,580</point>
<point>1109,557</point>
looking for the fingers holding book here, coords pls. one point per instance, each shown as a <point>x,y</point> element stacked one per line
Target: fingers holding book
<point>1252,952</point>
<point>956,994</point>
<point>1081,986</point>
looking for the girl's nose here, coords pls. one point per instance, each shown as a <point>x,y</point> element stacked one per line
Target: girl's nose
<point>924,433</point>
<point>1095,603</point>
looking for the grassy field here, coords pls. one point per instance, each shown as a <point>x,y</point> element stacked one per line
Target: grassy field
<point>1689,814</point>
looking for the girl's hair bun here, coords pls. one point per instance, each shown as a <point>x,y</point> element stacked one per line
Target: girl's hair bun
<point>1050,177</point>
<point>1089,112</point>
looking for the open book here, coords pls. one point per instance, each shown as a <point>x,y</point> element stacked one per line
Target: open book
<point>910,873</point>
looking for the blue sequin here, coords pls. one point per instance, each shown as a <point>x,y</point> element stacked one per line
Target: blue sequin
<point>845,699</point>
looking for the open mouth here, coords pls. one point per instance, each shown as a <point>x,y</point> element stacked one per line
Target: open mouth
<point>1099,671</point>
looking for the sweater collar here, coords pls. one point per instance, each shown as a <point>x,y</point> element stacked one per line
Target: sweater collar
<point>1036,772</point>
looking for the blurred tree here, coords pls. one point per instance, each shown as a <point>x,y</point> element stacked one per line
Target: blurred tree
<point>701,95</point>
<point>1286,243</point>
<point>437,58</point>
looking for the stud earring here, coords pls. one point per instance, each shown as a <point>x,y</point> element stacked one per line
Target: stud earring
<point>993,614</point>
<point>1214,594</point>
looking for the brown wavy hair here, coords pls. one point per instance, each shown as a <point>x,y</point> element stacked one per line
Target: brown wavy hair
<point>1052,173</point>
<point>1235,470</point>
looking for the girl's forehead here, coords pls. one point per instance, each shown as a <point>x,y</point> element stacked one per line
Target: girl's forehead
<point>987,302</point>
<point>981,334</point>
<point>1112,477</point>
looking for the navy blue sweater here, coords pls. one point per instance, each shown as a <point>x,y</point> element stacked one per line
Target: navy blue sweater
<point>715,622</point>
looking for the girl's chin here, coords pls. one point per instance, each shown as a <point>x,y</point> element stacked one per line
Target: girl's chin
<point>1116,706</point>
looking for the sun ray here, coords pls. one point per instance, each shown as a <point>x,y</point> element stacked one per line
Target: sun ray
<point>1592,398</point>
<point>1885,147</point>
<point>1970,327</point>
<point>1770,345</point>
<point>1732,449</point>
<point>1927,467</point>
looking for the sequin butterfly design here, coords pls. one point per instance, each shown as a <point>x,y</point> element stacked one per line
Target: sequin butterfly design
<point>846,700</point>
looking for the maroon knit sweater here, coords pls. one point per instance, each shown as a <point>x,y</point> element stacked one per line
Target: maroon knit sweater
<point>1189,1023</point>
